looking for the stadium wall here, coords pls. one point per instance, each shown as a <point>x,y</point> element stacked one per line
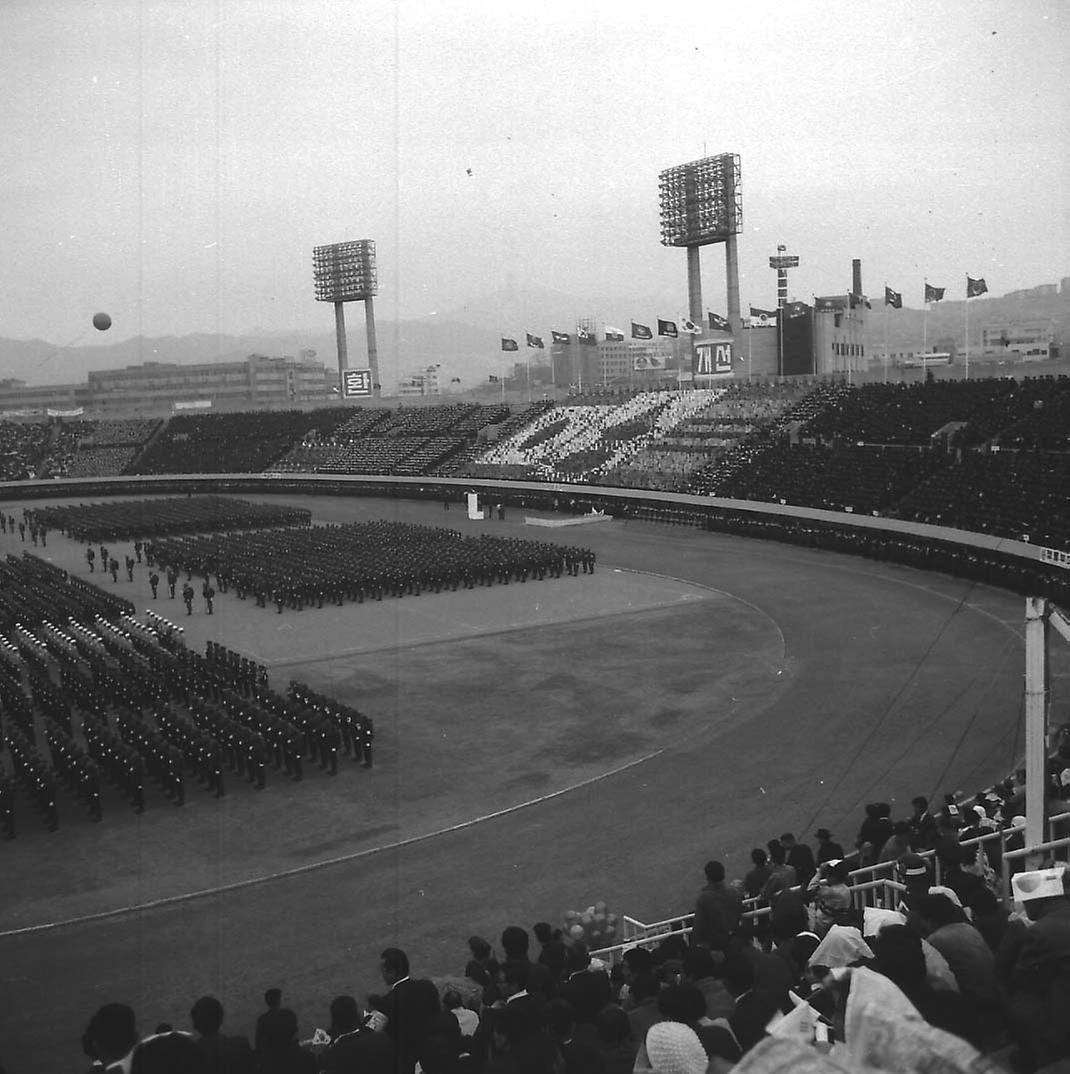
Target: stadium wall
<point>530,494</point>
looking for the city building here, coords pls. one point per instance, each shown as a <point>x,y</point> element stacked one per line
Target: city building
<point>1026,339</point>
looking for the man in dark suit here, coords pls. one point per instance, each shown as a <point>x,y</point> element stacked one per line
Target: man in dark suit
<point>800,857</point>
<point>586,989</point>
<point>407,1008</point>
<point>222,1054</point>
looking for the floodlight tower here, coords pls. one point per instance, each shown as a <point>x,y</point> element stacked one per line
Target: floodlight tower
<point>346,272</point>
<point>701,204</point>
<point>782,262</point>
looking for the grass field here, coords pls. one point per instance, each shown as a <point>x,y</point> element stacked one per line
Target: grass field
<point>539,746</point>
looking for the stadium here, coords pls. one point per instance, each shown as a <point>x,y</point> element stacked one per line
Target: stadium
<point>529,695</point>
<point>729,668</point>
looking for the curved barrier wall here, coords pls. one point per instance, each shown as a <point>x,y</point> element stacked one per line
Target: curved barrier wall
<point>705,511</point>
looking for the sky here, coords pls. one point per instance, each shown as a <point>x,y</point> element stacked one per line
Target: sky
<point>174,163</point>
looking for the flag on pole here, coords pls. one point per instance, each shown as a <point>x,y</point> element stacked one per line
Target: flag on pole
<point>585,335</point>
<point>534,341</point>
<point>667,328</point>
<point>762,318</point>
<point>717,323</point>
<point>893,298</point>
<point>975,287</point>
<point>641,331</point>
<point>933,294</point>
<point>493,379</point>
<point>560,337</point>
<point>508,344</point>
<point>613,335</point>
<point>687,325</point>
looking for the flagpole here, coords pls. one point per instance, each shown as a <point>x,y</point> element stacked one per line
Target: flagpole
<point>925,322</point>
<point>749,338</point>
<point>886,331</point>
<point>967,331</point>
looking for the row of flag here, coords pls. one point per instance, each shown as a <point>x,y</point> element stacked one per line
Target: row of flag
<point>759,318</point>
<point>974,289</point>
<point>666,329</point>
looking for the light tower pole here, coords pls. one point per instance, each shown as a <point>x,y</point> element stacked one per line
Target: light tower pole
<point>345,272</point>
<point>701,204</point>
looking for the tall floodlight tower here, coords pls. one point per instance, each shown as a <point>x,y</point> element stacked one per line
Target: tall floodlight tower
<point>345,272</point>
<point>701,204</point>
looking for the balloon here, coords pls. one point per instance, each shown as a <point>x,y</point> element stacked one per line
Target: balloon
<point>600,906</point>
<point>576,932</point>
<point>586,918</point>
<point>101,322</point>
<point>572,915</point>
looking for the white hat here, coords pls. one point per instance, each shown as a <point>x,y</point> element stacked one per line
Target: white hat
<point>674,1048</point>
<point>1038,884</point>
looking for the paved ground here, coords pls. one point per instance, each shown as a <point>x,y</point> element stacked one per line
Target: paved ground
<point>773,689</point>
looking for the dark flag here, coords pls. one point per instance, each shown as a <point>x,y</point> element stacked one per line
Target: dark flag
<point>975,287</point>
<point>933,294</point>
<point>493,379</point>
<point>585,335</point>
<point>560,337</point>
<point>667,328</point>
<point>762,318</point>
<point>718,324</point>
<point>893,298</point>
<point>641,331</point>
<point>508,344</point>
<point>613,335</point>
<point>534,341</point>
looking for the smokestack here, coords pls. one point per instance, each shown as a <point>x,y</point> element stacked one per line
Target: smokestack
<point>856,277</point>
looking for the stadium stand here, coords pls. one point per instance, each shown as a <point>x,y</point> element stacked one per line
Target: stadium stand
<point>915,915</point>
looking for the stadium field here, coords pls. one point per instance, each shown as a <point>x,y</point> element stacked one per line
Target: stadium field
<point>538,747</point>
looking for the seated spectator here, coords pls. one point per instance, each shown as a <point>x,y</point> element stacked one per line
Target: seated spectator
<point>953,876</point>
<point>634,963</point>
<point>520,1045</point>
<point>111,1036</point>
<point>444,1050</point>
<point>616,1055</point>
<point>587,988</point>
<point>831,896</point>
<point>800,857</point>
<point>168,1053</point>
<point>273,999</point>
<point>554,952</point>
<point>827,850</point>
<point>577,1046</point>
<point>467,1019</point>
<point>672,1048</point>
<point>701,971</point>
<point>643,1012</point>
<point>757,878</point>
<point>283,1053</point>
<point>899,956</point>
<point>353,1045</point>
<point>781,875</point>
<point>1037,961</point>
<point>223,1054</point>
<point>970,958</point>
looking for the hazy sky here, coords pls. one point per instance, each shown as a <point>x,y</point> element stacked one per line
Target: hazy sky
<point>174,163</point>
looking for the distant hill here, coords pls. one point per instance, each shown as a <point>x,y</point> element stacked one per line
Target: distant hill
<point>948,319</point>
<point>466,341</point>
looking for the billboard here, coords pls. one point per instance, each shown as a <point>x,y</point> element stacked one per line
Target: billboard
<point>356,383</point>
<point>643,363</point>
<point>713,359</point>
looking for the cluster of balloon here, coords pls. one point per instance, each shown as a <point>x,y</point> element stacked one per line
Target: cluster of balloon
<point>595,926</point>
<point>101,322</point>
